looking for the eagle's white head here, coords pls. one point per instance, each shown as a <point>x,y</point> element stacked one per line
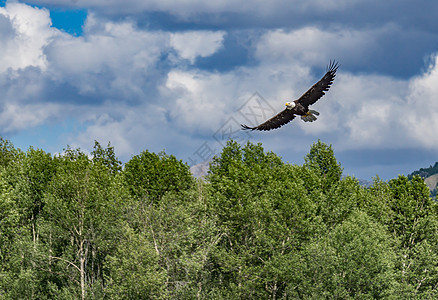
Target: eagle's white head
<point>290,105</point>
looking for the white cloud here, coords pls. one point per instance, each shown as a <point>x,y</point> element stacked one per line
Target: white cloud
<point>315,47</point>
<point>16,117</point>
<point>381,112</point>
<point>192,44</point>
<point>104,79</point>
<point>114,81</point>
<point>367,110</point>
<point>359,111</point>
<point>132,129</point>
<point>421,111</point>
<point>29,32</point>
<point>199,99</point>
<point>110,60</point>
<point>118,60</point>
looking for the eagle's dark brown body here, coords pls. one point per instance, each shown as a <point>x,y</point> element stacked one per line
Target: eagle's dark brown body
<point>300,107</point>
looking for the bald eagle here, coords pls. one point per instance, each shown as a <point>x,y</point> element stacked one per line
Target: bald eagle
<point>301,106</point>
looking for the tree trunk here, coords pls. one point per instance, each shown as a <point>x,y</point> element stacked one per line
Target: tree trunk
<point>82,268</point>
<point>82,252</point>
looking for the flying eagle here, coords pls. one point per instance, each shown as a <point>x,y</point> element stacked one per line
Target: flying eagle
<point>301,106</point>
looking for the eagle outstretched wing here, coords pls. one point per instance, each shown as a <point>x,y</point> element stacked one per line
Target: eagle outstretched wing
<point>276,121</point>
<point>318,89</point>
<point>308,98</point>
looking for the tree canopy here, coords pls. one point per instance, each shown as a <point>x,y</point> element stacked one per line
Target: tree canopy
<point>74,226</point>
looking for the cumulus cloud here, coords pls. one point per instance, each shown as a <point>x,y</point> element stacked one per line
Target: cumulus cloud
<point>15,117</point>
<point>124,131</point>
<point>25,33</point>
<point>360,110</point>
<point>112,60</point>
<point>108,79</point>
<point>315,46</point>
<point>200,100</point>
<point>381,112</point>
<point>192,44</point>
<point>421,111</point>
<point>134,87</point>
<point>369,108</point>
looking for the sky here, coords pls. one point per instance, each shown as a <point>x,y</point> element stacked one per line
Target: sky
<point>180,76</point>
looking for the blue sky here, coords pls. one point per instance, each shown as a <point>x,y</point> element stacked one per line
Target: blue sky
<point>181,76</point>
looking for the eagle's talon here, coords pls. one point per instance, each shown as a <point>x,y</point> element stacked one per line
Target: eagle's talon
<point>309,116</point>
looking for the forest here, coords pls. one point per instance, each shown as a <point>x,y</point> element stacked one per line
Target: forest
<point>78,226</point>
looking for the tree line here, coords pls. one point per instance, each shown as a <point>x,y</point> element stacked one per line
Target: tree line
<point>77,226</point>
<point>425,172</point>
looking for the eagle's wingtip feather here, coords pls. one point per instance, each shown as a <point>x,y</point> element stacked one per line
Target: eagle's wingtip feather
<point>246,127</point>
<point>333,66</point>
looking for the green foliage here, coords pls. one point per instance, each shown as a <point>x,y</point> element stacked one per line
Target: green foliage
<point>9,215</point>
<point>424,173</point>
<point>410,205</point>
<point>265,212</point>
<point>75,227</point>
<point>28,175</point>
<point>340,201</point>
<point>321,160</point>
<point>7,152</point>
<point>9,221</point>
<point>150,176</point>
<point>355,260</point>
<point>84,203</point>
<point>32,174</point>
<point>106,157</point>
<point>134,268</point>
<point>182,236</point>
